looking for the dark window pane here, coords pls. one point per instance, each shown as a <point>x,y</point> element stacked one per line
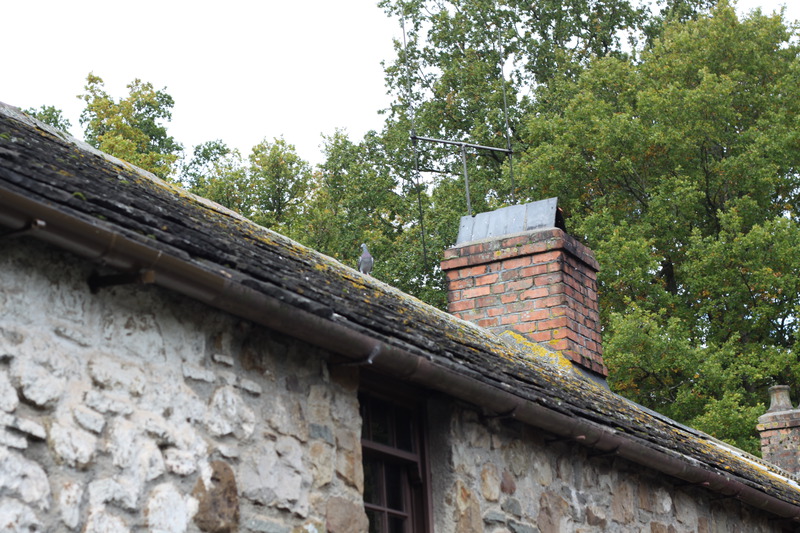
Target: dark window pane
<point>394,487</point>
<point>397,524</point>
<point>375,521</point>
<point>373,482</point>
<point>380,422</point>
<point>404,430</point>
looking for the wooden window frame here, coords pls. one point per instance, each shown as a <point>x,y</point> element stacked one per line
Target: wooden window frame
<point>416,480</point>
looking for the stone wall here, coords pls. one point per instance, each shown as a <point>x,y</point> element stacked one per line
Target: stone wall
<point>134,409</point>
<point>498,476</point>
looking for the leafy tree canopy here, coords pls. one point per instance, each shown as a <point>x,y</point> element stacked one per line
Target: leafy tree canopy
<point>50,115</point>
<point>670,137</point>
<point>680,171</point>
<point>271,187</point>
<point>131,128</point>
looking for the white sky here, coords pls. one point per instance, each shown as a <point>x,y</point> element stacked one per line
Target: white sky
<point>238,70</point>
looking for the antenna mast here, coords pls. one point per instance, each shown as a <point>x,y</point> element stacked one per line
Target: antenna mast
<point>463,145</point>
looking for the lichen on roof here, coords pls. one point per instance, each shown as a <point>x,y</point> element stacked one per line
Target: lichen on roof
<point>46,166</point>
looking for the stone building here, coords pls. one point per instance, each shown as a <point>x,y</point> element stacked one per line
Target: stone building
<point>168,366</point>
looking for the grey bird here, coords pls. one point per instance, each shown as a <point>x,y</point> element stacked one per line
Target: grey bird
<point>365,262</point>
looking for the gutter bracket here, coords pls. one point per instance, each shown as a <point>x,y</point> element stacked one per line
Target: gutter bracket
<point>603,454</point>
<point>142,277</point>
<point>577,438</point>
<point>511,413</point>
<point>34,225</point>
<point>368,360</point>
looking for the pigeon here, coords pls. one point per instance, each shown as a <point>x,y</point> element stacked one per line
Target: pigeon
<point>365,261</point>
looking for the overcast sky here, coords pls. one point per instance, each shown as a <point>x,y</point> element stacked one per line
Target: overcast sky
<point>239,70</point>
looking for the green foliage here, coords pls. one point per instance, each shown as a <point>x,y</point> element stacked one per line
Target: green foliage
<point>670,138</point>
<point>271,188</point>
<point>680,170</point>
<point>203,164</point>
<point>131,128</point>
<point>222,178</point>
<point>50,115</point>
<point>468,73</point>
<point>279,182</point>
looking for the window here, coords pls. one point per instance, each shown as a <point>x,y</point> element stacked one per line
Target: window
<point>395,471</point>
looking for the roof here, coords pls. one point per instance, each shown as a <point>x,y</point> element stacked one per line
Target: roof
<point>116,214</point>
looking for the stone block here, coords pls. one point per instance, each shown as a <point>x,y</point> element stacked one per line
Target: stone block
<point>8,394</point>
<point>507,483</point>
<point>16,517</point>
<point>596,517</point>
<point>198,373</point>
<point>102,521</point>
<point>553,513</point>
<point>349,468</point>
<point>110,373</point>
<point>319,404</point>
<point>108,403</point>
<point>519,527</point>
<point>218,503</point>
<point>512,506</point>
<point>250,386</point>
<point>494,517</point>
<point>122,492</point>
<point>74,446</point>
<point>346,516</point>
<point>321,432</point>
<point>229,414</point>
<point>88,419</point>
<point>270,477</point>
<point>37,384</point>
<point>79,337</point>
<point>223,359</point>
<point>490,483</point>
<point>468,510</point>
<point>169,511</point>
<point>258,524</point>
<point>180,462</point>
<point>322,458</point>
<point>24,479</point>
<point>623,503</point>
<point>69,503</point>
<point>12,440</point>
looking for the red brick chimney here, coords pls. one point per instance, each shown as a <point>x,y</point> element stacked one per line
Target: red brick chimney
<point>514,269</point>
<point>779,428</point>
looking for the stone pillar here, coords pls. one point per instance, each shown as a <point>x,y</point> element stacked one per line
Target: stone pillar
<point>779,428</point>
<point>541,284</point>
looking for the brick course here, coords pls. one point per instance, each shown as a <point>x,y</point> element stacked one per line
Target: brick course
<point>542,284</point>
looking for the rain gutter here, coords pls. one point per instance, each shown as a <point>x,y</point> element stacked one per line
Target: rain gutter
<point>96,242</point>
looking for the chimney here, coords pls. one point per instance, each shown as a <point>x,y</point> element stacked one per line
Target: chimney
<point>517,269</point>
<point>779,428</point>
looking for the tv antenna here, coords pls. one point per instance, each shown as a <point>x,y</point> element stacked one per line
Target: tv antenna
<point>463,146</point>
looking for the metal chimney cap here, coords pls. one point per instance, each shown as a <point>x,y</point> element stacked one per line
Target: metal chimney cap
<point>510,220</point>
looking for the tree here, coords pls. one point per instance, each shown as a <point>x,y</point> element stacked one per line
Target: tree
<point>218,173</point>
<point>203,164</point>
<point>131,128</point>
<point>352,201</point>
<point>469,72</point>
<point>279,183</point>
<point>50,115</point>
<point>357,198</point>
<point>680,171</point>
